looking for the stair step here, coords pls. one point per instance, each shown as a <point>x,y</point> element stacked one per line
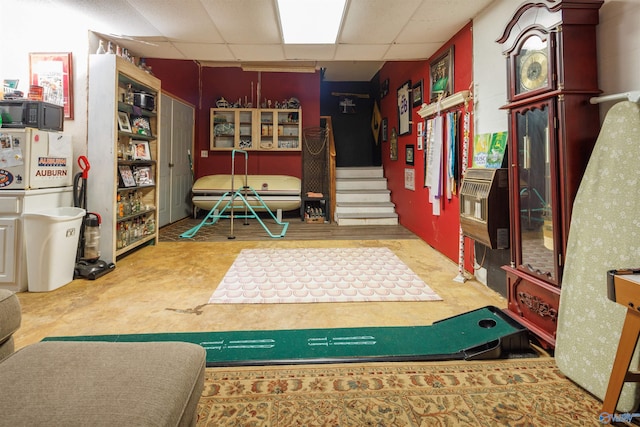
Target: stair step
<point>363,196</point>
<point>375,183</point>
<point>363,208</point>
<point>370,219</point>
<point>369,215</point>
<point>360,172</point>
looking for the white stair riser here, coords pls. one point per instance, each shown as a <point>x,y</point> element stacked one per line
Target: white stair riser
<point>363,197</point>
<point>367,221</point>
<point>359,173</point>
<point>364,209</point>
<point>361,184</point>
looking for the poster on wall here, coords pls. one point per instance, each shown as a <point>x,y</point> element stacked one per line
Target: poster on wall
<point>480,150</point>
<point>497,147</point>
<point>489,149</point>
<point>404,108</point>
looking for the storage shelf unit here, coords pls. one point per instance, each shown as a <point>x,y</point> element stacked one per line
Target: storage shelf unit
<point>256,129</point>
<point>122,187</point>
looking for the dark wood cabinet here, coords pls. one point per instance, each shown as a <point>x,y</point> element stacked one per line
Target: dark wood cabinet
<point>550,49</point>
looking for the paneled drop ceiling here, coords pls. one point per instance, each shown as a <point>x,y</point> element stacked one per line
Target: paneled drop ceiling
<point>247,32</point>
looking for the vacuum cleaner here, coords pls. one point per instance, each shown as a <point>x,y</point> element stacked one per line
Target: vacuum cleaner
<point>88,262</point>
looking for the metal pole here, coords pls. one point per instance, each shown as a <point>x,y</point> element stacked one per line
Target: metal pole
<point>233,191</point>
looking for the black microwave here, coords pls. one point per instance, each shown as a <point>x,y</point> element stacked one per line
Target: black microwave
<point>25,113</point>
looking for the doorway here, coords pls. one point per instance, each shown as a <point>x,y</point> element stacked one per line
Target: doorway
<point>177,120</point>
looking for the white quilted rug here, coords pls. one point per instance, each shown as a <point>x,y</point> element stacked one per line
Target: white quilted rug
<point>320,275</point>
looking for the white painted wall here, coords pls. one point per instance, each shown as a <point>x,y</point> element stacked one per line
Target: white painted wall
<point>489,67</point>
<point>618,48</point>
<point>38,27</point>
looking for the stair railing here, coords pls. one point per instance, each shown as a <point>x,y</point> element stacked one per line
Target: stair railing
<point>331,153</point>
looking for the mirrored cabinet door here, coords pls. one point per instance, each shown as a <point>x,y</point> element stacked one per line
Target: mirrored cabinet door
<point>536,210</point>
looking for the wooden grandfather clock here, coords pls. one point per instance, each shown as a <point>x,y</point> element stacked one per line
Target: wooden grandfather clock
<point>550,48</point>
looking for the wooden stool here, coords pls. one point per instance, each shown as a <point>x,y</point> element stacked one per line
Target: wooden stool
<point>624,288</point>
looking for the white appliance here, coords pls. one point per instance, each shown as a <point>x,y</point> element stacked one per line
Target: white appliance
<point>32,158</point>
<point>35,175</point>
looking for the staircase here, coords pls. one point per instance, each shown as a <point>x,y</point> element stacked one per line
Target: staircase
<point>362,197</point>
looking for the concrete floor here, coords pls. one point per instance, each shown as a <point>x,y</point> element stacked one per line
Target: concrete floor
<point>166,288</point>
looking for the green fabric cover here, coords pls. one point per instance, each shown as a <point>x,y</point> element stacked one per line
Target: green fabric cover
<point>604,235</point>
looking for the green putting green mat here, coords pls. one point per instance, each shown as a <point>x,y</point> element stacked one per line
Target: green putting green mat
<point>485,333</point>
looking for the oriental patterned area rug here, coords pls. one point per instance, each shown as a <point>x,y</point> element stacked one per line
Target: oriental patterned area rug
<point>515,392</point>
<point>320,275</point>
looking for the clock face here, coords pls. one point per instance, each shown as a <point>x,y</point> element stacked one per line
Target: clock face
<point>533,70</point>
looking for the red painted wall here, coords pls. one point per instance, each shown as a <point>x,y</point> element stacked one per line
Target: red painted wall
<point>413,207</point>
<point>179,77</point>
<point>203,86</point>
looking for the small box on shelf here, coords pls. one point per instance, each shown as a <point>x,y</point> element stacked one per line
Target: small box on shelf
<point>315,220</point>
<point>314,212</point>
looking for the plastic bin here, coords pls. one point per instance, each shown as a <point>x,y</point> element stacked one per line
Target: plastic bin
<point>51,238</point>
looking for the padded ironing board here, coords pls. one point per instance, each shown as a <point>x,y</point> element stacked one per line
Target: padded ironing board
<point>604,235</point>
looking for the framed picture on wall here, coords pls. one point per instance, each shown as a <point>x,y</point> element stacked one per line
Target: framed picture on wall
<point>404,109</point>
<point>409,179</point>
<point>384,88</point>
<point>393,145</point>
<point>441,75</point>
<point>416,92</point>
<point>385,130</point>
<point>53,72</point>
<point>408,154</point>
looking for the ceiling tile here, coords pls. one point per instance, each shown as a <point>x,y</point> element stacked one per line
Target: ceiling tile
<point>257,52</point>
<point>191,23</point>
<point>205,51</point>
<point>319,52</point>
<point>115,17</point>
<point>405,52</point>
<point>375,21</point>
<point>245,21</point>
<point>360,52</point>
<point>437,21</point>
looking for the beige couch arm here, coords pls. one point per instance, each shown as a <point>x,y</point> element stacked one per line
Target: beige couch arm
<point>9,321</point>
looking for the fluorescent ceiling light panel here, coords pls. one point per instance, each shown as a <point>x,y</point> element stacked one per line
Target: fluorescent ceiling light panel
<point>310,21</point>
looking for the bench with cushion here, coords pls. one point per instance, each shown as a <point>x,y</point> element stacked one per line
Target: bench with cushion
<point>278,192</point>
